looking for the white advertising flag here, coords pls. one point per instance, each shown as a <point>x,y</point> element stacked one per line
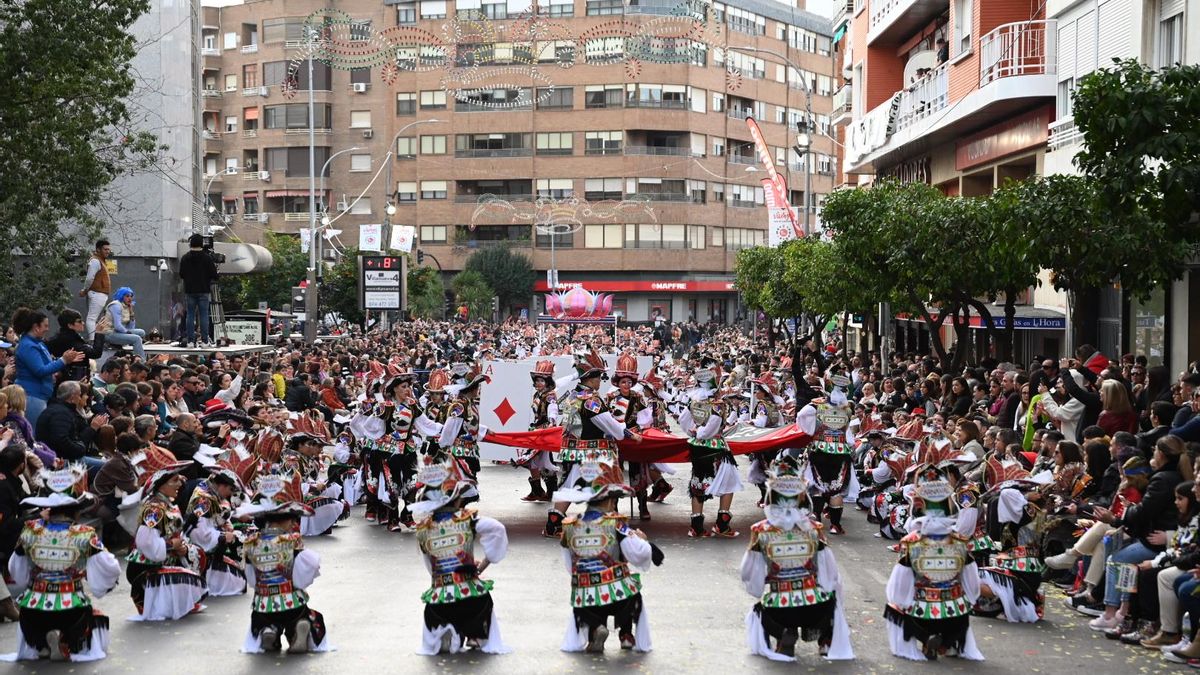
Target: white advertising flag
<point>370,238</point>
<point>402,238</point>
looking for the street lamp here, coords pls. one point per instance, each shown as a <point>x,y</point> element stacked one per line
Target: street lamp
<point>804,139</point>
<point>212,208</point>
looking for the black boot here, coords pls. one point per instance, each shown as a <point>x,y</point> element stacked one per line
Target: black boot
<point>535,491</point>
<point>553,524</point>
<point>762,494</point>
<point>697,529</point>
<point>643,510</point>
<point>835,520</point>
<point>723,527</point>
<point>818,507</point>
<point>661,489</point>
<point>551,486</point>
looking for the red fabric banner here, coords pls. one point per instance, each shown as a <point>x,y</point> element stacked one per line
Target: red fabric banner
<point>658,446</point>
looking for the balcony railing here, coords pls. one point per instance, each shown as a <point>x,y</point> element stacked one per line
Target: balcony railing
<point>656,103</point>
<point>662,196</point>
<point>843,99</point>
<point>925,97</point>
<point>304,130</point>
<point>749,160</point>
<point>249,133</point>
<point>1021,48</point>
<point>602,151</point>
<point>210,135</point>
<point>211,93</point>
<point>294,216</point>
<point>210,51</point>
<point>740,113</point>
<point>657,150</point>
<point>1064,133</point>
<point>250,49</point>
<point>508,197</point>
<point>499,152</point>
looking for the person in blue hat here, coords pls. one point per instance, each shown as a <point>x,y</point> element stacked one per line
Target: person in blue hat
<point>124,330</point>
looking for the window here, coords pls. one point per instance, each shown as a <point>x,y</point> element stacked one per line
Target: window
<point>433,145</point>
<point>406,147</point>
<point>600,189</point>
<point>603,142</point>
<point>360,76</point>
<point>486,100</point>
<point>556,51</point>
<point>360,162</point>
<point>406,103</point>
<point>433,100</point>
<point>718,102</point>
<point>557,7</point>
<point>745,195</point>
<point>749,66</point>
<point>1065,102</point>
<point>1170,39</point>
<point>718,236</point>
<point>406,13</point>
<point>555,188</point>
<point>361,207</point>
<point>274,73</point>
<point>406,191</point>
<point>737,238</point>
<point>433,189</point>
<point>718,147</point>
<point>231,83</point>
<point>293,162</point>
<point>559,240</point>
<point>433,9</point>
<point>699,194</point>
<point>279,30</point>
<point>230,41</point>
<point>962,26</point>
<point>492,145</point>
<point>433,234</point>
<point>360,30</point>
<point>695,236</point>
<point>556,98</point>
<point>603,236</point>
<point>605,7</point>
<point>745,22</point>
<point>295,116</point>
<point>360,119</point>
<point>231,124</point>
<point>659,189</point>
<point>600,96</point>
<point>718,192</point>
<point>603,50</point>
<point>556,143</point>
<point>209,43</point>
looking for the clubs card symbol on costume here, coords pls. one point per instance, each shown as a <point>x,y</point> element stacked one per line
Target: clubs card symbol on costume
<point>269,486</point>
<point>840,381</point>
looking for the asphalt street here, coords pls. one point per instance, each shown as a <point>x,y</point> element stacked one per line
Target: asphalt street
<point>371,583</point>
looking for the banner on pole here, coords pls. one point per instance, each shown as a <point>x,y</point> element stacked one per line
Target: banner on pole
<point>402,238</point>
<point>370,238</point>
<point>774,182</point>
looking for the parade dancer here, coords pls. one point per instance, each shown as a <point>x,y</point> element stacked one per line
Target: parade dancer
<point>1011,582</point>
<point>599,549</point>
<point>655,417</point>
<point>790,568</point>
<point>626,405</point>
<point>400,463</point>
<point>208,523</point>
<point>590,433</point>
<point>829,458</point>
<point>52,558</point>
<point>764,414</point>
<point>714,472</point>
<point>461,433</point>
<point>436,406</point>
<point>304,456</point>
<point>935,582</point>
<point>279,569</point>
<point>459,613</point>
<point>545,413</point>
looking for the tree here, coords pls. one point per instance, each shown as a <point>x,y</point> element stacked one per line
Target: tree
<point>65,73</point>
<point>509,274</point>
<point>828,286</point>
<point>472,290</point>
<point>272,286</point>
<point>759,276</point>
<point>426,293</point>
<point>339,292</point>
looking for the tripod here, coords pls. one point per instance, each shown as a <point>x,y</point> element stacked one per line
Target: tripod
<point>216,313</point>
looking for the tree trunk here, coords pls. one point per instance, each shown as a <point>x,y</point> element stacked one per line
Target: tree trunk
<point>989,323</point>
<point>770,331</point>
<point>1010,325</point>
<point>961,320</point>
<point>935,328</point>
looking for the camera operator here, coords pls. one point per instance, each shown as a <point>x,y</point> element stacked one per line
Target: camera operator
<point>198,269</point>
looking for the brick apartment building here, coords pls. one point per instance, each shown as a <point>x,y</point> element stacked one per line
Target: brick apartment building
<point>661,147</point>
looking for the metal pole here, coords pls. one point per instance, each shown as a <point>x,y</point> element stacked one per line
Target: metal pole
<point>390,157</point>
<point>310,293</point>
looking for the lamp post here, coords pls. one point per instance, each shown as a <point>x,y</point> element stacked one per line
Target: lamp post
<point>310,293</point>
<point>390,209</point>
<point>804,140</point>
<point>211,209</point>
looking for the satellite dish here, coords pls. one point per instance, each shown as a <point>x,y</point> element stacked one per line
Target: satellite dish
<point>923,59</point>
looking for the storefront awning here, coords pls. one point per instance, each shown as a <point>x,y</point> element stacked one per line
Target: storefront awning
<point>1027,318</point>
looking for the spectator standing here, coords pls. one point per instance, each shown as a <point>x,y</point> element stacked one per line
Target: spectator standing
<point>96,286</point>
<point>35,366</point>
<point>12,465</point>
<point>198,272</point>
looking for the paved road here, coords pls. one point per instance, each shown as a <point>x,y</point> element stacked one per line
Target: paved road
<point>371,582</point>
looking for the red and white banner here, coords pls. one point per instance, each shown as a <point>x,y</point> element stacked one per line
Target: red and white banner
<point>657,446</point>
<point>774,185</point>
<point>782,215</point>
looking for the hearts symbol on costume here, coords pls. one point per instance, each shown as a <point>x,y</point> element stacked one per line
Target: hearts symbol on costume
<point>289,603</point>
<point>604,597</point>
<point>1021,564</point>
<point>66,602</point>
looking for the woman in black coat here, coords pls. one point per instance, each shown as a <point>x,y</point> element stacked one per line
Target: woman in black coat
<point>70,322</point>
<point>12,491</point>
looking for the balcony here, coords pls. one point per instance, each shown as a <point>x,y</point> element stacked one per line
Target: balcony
<point>250,133</point>
<point>658,150</point>
<point>843,105</point>
<point>657,103</point>
<point>210,135</point>
<point>893,21</point>
<point>1016,74</point>
<point>210,51</point>
<point>663,197</point>
<point>293,216</point>
<point>1064,133</point>
<point>474,198</point>
<point>497,152</point>
<point>211,93</point>
<point>256,91</point>
<point>748,160</point>
<point>250,49</point>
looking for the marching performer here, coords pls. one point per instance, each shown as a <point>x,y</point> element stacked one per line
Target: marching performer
<point>279,569</point>
<point>324,499</point>
<point>829,455</point>
<point>48,567</point>
<point>436,406</point>
<point>655,417</point>
<point>590,433</point>
<point>400,464</point>
<point>714,472</point>
<point>459,613</point>
<point>936,582</point>
<point>764,414</point>
<point>545,414</point>
<point>164,566</point>
<point>209,524</point>
<point>599,549</point>
<point>791,569</point>
<point>461,432</point>
<point>1014,524</point>
<point>626,405</point>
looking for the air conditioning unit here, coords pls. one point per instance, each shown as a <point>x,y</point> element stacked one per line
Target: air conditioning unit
<point>359,87</point>
<point>232,171</point>
<point>265,176</point>
<point>343,206</point>
<point>263,91</point>
<point>227,218</point>
<point>262,217</point>
<point>368,133</point>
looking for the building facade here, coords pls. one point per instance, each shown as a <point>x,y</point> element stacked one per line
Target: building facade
<point>604,138</point>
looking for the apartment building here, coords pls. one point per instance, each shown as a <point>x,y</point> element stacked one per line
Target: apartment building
<point>1090,34</point>
<point>495,132</point>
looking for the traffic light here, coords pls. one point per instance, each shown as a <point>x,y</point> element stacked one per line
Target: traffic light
<point>420,257</point>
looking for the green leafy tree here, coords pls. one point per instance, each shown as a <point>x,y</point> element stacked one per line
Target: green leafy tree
<point>829,287</point>
<point>65,73</point>
<point>426,292</point>
<point>339,292</point>
<point>471,289</point>
<point>759,274</point>
<point>273,286</point>
<point>508,273</point>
